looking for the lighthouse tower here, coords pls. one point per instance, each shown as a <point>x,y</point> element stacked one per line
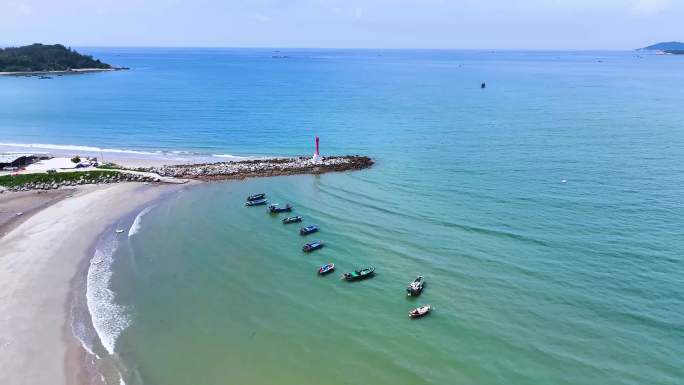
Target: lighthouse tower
<point>317,158</point>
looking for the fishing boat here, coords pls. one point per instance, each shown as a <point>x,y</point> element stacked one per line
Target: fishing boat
<point>308,230</point>
<point>416,287</point>
<point>292,219</point>
<point>315,245</point>
<point>420,311</point>
<point>275,208</point>
<point>326,269</point>
<point>357,275</point>
<point>256,197</point>
<point>257,202</point>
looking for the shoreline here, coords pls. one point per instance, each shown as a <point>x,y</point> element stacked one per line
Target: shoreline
<point>38,176</point>
<point>75,71</point>
<point>43,259</point>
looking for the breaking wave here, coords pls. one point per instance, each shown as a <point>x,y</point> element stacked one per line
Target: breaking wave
<point>70,147</point>
<point>109,319</point>
<point>137,223</point>
<point>17,148</point>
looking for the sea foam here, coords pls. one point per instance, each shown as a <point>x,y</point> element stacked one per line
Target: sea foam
<point>137,223</point>
<point>109,319</point>
<point>179,155</point>
<point>70,147</point>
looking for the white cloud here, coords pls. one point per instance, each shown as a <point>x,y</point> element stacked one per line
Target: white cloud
<point>23,8</point>
<point>649,7</point>
<point>260,17</point>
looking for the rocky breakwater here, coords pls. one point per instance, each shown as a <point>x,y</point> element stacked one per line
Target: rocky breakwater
<point>264,167</point>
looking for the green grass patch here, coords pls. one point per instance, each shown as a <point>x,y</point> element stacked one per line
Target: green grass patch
<point>110,166</point>
<point>20,180</point>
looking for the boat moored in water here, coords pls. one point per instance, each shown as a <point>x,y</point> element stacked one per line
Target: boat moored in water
<point>416,287</point>
<point>275,208</point>
<point>420,311</point>
<point>326,269</point>
<point>257,202</point>
<point>256,197</point>
<point>315,245</point>
<point>308,230</point>
<point>357,275</point>
<point>294,219</point>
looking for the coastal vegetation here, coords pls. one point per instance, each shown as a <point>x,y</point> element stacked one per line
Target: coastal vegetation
<point>18,180</point>
<point>48,181</point>
<point>114,166</point>
<point>666,46</point>
<point>42,58</point>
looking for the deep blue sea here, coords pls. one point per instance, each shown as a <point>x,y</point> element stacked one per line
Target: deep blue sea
<point>545,212</point>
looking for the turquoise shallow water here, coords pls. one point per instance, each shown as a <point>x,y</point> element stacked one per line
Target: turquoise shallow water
<point>544,211</point>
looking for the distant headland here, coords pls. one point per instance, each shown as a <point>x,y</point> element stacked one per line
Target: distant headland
<point>671,47</point>
<point>41,58</point>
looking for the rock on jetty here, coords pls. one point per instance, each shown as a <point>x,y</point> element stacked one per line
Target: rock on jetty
<point>264,167</point>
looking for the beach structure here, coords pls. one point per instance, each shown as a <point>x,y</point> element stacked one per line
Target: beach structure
<point>317,156</point>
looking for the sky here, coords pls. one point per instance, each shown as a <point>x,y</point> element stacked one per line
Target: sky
<point>460,24</point>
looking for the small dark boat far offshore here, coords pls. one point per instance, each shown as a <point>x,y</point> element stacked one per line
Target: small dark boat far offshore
<point>416,287</point>
<point>295,219</point>
<point>326,269</point>
<point>357,275</point>
<point>256,197</point>
<point>308,230</point>
<point>257,202</point>
<point>315,245</point>
<point>420,311</point>
<point>275,208</point>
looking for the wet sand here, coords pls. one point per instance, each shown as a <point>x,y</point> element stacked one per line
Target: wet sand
<point>39,259</point>
<point>17,207</point>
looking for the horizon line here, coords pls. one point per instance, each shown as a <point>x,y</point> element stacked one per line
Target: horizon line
<point>337,48</point>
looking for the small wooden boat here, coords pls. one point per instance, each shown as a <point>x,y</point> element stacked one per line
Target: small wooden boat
<point>256,197</point>
<point>420,311</point>
<point>292,219</point>
<point>308,230</point>
<point>275,208</point>
<point>257,202</point>
<point>416,287</point>
<point>326,269</point>
<point>357,275</point>
<point>315,245</point>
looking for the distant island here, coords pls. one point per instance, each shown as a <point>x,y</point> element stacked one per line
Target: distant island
<point>40,58</point>
<point>671,47</point>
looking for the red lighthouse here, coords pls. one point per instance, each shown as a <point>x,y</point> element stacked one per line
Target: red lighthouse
<point>317,156</point>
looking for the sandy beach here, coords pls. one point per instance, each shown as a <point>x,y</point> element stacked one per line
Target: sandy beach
<point>39,258</point>
<point>17,207</point>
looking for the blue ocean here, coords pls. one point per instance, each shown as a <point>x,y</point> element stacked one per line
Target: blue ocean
<point>544,211</point>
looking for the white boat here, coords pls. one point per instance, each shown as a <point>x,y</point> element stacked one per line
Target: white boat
<point>420,311</point>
